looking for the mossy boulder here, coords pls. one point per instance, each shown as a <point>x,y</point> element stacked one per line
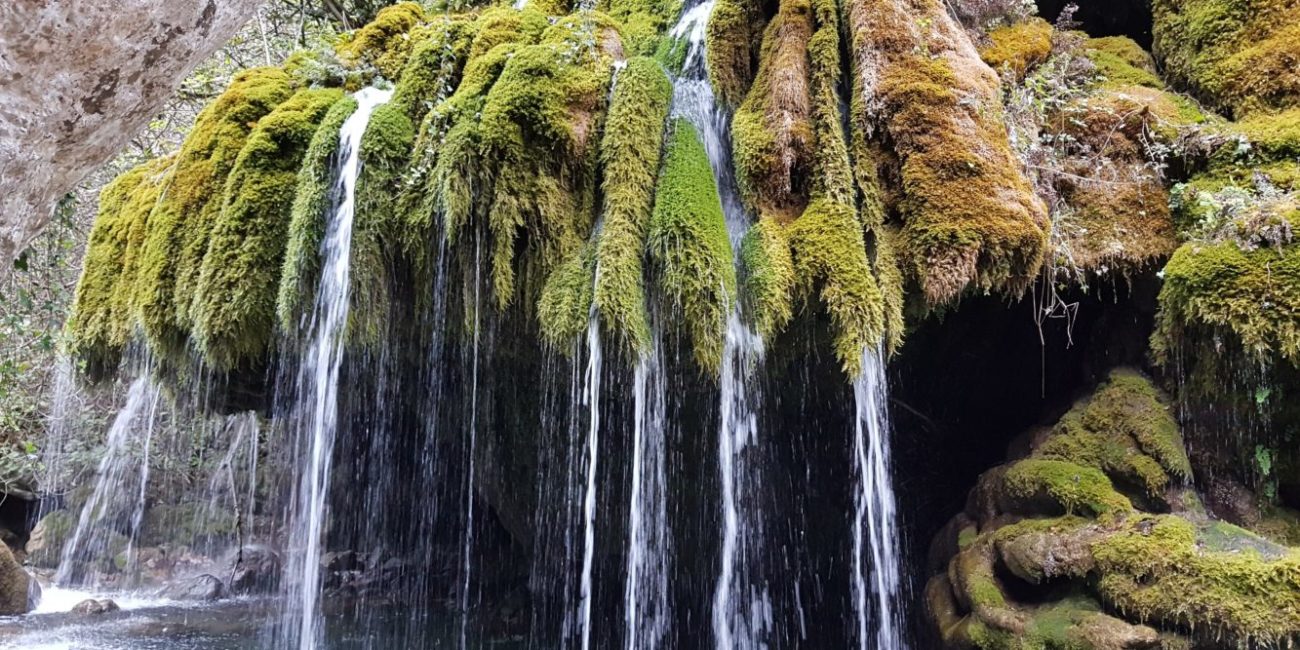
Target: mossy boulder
<point>48,537</point>
<point>1018,47</point>
<point>386,41</point>
<point>1059,557</point>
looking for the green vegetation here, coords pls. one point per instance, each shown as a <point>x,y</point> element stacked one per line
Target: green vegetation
<point>689,244</point>
<point>386,42</point>
<point>1018,47</point>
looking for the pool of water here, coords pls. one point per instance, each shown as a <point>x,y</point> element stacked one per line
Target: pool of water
<point>238,624</point>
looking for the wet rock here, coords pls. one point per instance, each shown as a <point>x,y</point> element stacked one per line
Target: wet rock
<point>206,587</point>
<point>341,561</point>
<point>93,607</point>
<point>34,593</point>
<point>15,585</point>
<point>48,536</point>
<point>252,569</point>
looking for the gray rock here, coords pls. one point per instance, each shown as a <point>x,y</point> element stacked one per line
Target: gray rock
<point>206,587</point>
<point>252,569</point>
<point>93,607</point>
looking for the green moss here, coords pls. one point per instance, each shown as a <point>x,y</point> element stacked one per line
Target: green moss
<point>1161,568</point>
<point>102,316</point>
<point>386,41</point>
<point>500,25</point>
<point>629,160</point>
<point>235,308</point>
<point>1129,404</point>
<point>1122,62</point>
<point>180,225</point>
<point>828,251</point>
<point>733,27</point>
<point>769,279</point>
<point>772,131</point>
<point>642,22</point>
<point>1018,47</point>
<point>689,244</point>
<point>1254,294</point>
<point>1237,54</point>
<point>307,221</point>
<point>1276,135</point>
<point>971,219</point>
<point>889,279</point>
<point>1073,488</point>
<point>565,306</point>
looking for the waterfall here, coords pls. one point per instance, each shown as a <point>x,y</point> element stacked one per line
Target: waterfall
<point>591,398</point>
<point>646,595</point>
<point>468,545</point>
<point>742,610</point>
<point>316,417</point>
<point>875,514</point>
<point>96,536</point>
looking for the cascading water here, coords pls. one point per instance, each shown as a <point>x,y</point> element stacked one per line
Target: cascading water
<point>591,398</point>
<point>96,536</point>
<point>875,515</point>
<point>646,612</point>
<point>316,416</point>
<point>742,610</point>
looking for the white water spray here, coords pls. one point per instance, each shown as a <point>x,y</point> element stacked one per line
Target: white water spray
<point>875,515</point>
<point>646,596</point>
<point>317,383</point>
<point>590,398</point>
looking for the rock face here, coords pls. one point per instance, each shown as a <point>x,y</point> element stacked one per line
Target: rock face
<point>15,585</point>
<point>1095,540</point>
<point>79,79</point>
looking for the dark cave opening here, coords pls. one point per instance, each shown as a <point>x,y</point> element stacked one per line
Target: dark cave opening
<point>1105,17</point>
<point>970,383</point>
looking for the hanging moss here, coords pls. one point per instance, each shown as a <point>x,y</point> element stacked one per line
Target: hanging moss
<point>889,279</point>
<point>1254,294</point>
<point>235,306</point>
<point>829,252</point>
<point>1238,55</point>
<point>191,202</point>
<point>734,27</point>
<point>629,160</point>
<point>312,201</point>
<point>770,276</point>
<point>971,218</point>
<point>643,22</point>
<point>689,244</point>
<point>102,317</point>
<point>565,305</point>
<point>386,41</point>
<point>1018,47</point>
<point>772,132</point>
<point>832,176</point>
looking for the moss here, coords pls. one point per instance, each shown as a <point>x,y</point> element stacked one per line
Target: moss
<point>1018,47</point>
<point>1161,568</point>
<point>1254,294</point>
<point>1073,488</point>
<point>1122,62</point>
<point>689,244</point>
<point>500,25</point>
<point>772,131</point>
<point>565,306</point>
<point>102,316</point>
<point>1129,404</point>
<point>629,161</point>
<point>386,41</point>
<point>312,201</point>
<point>889,279</point>
<point>828,251</point>
<point>235,306</point>
<point>971,219</point>
<point>642,22</point>
<point>1276,135</point>
<point>1115,226</point>
<point>180,225</point>
<point>733,28</point>
<point>770,276</point>
<point>1237,54</point>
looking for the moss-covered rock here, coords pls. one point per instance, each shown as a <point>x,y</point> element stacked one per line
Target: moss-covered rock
<point>629,163</point>
<point>1239,55</point>
<point>103,315</point>
<point>234,312</point>
<point>735,29</point>
<point>1018,47</point>
<point>188,210</point>
<point>385,42</point>
<point>689,244</point>
<point>970,217</point>
<point>1062,559</point>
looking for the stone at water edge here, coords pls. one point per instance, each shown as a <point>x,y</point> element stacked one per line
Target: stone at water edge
<point>255,568</point>
<point>206,587</point>
<point>15,585</point>
<point>90,606</point>
<point>48,536</point>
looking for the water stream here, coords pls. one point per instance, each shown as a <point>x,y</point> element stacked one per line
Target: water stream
<point>316,416</point>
